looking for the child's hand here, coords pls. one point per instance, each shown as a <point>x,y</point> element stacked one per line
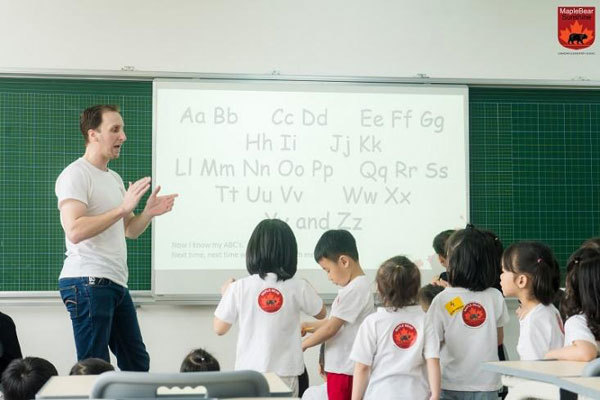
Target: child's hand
<point>519,312</point>
<point>226,285</point>
<point>440,282</point>
<point>305,328</point>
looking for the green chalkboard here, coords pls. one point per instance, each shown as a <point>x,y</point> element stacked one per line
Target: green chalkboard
<point>39,136</point>
<point>534,168</point>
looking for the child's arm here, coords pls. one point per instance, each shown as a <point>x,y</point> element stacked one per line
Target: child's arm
<point>326,331</point>
<point>360,380</point>
<point>580,350</point>
<point>311,326</point>
<point>322,314</point>
<point>435,377</point>
<point>220,327</point>
<point>500,336</point>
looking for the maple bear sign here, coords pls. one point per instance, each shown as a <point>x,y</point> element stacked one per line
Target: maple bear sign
<point>576,27</point>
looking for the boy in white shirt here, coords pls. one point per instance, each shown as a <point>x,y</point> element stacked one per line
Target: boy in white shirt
<point>337,254</point>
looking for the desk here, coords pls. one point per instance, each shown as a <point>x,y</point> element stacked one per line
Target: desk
<point>538,379</point>
<point>585,386</point>
<point>80,386</point>
<point>543,371</point>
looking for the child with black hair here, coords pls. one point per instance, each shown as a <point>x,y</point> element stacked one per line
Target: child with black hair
<point>337,254</point>
<point>531,273</point>
<point>471,308</point>
<point>395,350</point>
<point>268,303</point>
<point>439,246</point>
<point>91,366</point>
<point>582,328</point>
<point>24,377</point>
<point>199,360</point>
<point>426,295</point>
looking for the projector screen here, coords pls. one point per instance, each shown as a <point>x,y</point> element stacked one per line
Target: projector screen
<point>387,162</point>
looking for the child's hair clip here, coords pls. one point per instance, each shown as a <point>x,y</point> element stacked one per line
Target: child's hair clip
<point>539,260</point>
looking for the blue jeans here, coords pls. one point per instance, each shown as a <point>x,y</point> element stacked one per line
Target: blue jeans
<point>103,316</point>
<point>459,395</point>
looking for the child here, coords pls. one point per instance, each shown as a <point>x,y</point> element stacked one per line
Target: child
<point>439,245</point>
<point>24,377</point>
<point>470,309</point>
<point>426,295</point>
<point>531,273</point>
<point>91,366</point>
<point>9,342</point>
<point>582,330</point>
<point>395,346</point>
<point>268,304</point>
<point>199,360</point>
<point>337,254</point>
<point>570,304</point>
<point>318,392</point>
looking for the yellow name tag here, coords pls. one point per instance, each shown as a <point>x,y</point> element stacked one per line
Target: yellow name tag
<point>454,305</point>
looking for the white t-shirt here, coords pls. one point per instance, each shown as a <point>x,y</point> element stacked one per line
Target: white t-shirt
<point>466,322</point>
<point>268,312</point>
<point>316,392</point>
<point>576,329</point>
<point>352,304</point>
<point>541,331</point>
<point>104,255</point>
<point>395,344</point>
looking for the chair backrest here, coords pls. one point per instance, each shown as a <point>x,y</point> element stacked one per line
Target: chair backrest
<point>131,385</point>
<point>592,368</point>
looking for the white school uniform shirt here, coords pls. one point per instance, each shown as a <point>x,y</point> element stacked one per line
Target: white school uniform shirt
<point>395,344</point>
<point>541,330</point>
<point>268,312</point>
<point>105,254</point>
<point>576,329</point>
<point>466,322</point>
<point>352,304</point>
<point>316,392</point>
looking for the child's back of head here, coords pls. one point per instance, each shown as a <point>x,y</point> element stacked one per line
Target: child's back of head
<point>199,360</point>
<point>439,243</point>
<point>91,366</point>
<point>536,261</point>
<point>272,248</point>
<point>571,303</point>
<point>427,293</point>
<point>398,281</point>
<point>336,243</point>
<point>589,293</point>
<point>24,377</point>
<point>472,259</point>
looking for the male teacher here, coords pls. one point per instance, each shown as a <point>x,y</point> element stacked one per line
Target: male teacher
<point>96,213</point>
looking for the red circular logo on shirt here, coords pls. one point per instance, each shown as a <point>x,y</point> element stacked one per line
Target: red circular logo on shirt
<point>270,300</point>
<point>404,335</point>
<point>473,314</point>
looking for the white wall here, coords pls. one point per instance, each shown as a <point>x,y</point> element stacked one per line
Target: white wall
<point>509,39</point>
<point>169,332</point>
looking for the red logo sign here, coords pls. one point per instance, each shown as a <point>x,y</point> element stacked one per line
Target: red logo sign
<point>576,27</point>
<point>270,300</point>
<point>473,314</point>
<point>404,335</point>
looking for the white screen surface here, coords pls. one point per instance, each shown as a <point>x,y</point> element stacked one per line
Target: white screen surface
<point>386,162</point>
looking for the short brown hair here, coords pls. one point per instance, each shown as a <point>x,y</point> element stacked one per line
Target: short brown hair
<point>91,118</point>
<point>398,282</point>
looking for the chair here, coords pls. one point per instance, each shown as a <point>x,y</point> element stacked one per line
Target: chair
<point>592,368</point>
<point>132,385</point>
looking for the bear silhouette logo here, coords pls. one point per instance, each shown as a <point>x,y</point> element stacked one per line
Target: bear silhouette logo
<point>577,38</point>
<point>576,27</point>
